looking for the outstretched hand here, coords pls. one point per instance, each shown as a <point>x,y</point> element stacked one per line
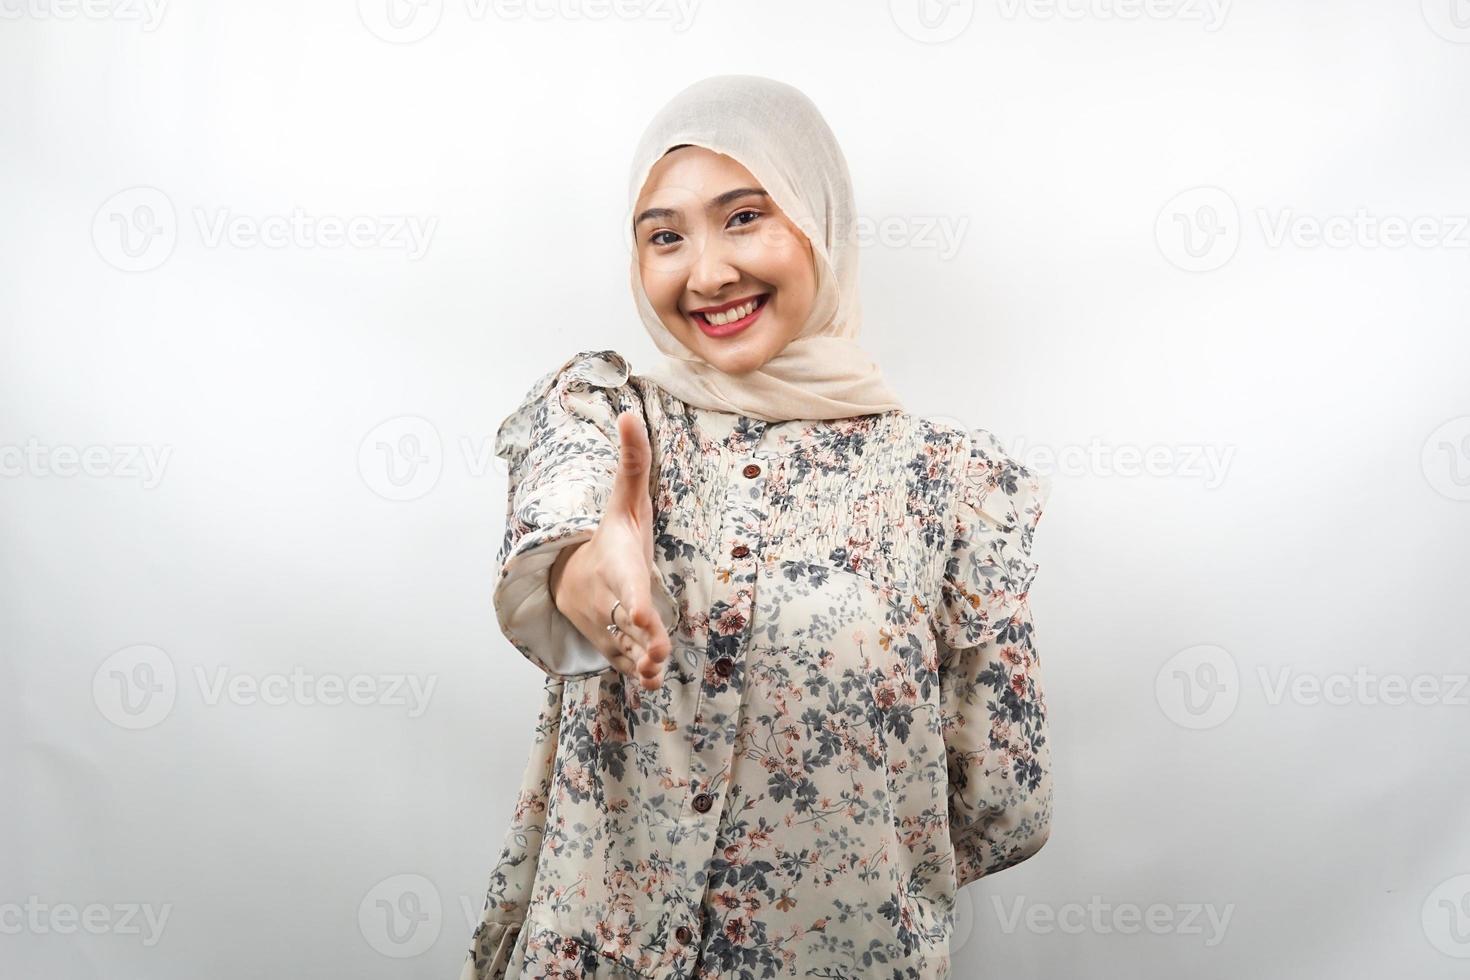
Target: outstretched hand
<point>616,564</point>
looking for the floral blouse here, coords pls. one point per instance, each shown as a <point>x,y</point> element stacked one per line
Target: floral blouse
<point>851,725</point>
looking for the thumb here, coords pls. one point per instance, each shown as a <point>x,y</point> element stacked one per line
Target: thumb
<point>630,486</point>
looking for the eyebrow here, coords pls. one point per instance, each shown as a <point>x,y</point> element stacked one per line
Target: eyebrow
<point>714,204</point>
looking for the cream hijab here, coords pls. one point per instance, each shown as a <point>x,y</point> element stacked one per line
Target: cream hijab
<point>777,133</point>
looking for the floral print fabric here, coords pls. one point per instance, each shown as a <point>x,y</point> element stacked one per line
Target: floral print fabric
<point>851,725</point>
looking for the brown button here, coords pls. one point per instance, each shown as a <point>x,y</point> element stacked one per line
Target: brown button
<point>703,802</point>
<point>739,551</point>
<point>724,666</point>
<point>684,934</point>
<point>751,471</point>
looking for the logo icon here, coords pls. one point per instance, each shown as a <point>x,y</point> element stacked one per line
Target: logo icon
<point>1446,917</point>
<point>1450,19</point>
<point>401,916</point>
<point>1446,458</point>
<point>401,459</point>
<point>400,21</point>
<point>135,230</point>
<point>932,21</point>
<point>135,687</point>
<point>1199,229</point>
<point>1198,687</point>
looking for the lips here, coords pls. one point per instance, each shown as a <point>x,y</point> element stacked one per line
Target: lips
<point>730,305</point>
<point>726,329</point>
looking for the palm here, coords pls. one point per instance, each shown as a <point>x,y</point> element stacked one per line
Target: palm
<point>630,543</point>
<point>627,525</point>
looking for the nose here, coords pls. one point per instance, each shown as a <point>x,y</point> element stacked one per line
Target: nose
<point>711,269</point>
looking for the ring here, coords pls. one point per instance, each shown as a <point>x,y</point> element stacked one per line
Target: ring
<point>612,626</point>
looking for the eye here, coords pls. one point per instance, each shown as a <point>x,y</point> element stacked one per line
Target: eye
<point>653,239</point>
<point>750,211</point>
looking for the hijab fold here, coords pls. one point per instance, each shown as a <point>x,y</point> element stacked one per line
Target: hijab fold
<point>778,134</point>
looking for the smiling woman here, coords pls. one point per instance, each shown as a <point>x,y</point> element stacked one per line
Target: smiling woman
<point>792,701</point>
<point>739,190</point>
<point>713,262</point>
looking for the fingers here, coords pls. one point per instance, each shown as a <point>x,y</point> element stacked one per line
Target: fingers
<point>622,662</point>
<point>626,662</point>
<point>600,586</point>
<point>621,653</point>
<point>641,645</point>
<point>644,641</point>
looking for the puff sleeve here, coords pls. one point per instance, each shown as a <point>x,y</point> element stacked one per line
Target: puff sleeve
<point>994,711</point>
<point>560,446</point>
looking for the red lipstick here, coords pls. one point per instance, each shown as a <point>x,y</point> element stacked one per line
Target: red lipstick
<point>726,329</point>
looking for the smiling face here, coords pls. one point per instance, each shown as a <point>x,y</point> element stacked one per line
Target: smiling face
<point>710,244</point>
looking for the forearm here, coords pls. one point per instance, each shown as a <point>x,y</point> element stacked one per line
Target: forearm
<point>558,567</point>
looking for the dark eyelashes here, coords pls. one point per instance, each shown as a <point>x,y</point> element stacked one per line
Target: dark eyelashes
<point>653,239</point>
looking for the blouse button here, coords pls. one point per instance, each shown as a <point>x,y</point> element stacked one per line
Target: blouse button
<point>724,666</point>
<point>739,551</point>
<point>703,802</point>
<point>684,934</point>
<point>751,471</point>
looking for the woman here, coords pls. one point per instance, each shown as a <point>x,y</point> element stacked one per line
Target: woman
<point>792,698</point>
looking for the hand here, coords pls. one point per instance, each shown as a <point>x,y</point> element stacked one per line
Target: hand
<point>616,563</point>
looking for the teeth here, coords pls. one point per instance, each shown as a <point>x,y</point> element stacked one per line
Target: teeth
<point>730,316</point>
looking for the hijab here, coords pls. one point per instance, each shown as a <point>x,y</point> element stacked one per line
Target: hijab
<point>778,134</point>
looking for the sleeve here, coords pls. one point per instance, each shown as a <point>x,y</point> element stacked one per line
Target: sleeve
<point>560,446</point>
<point>994,710</point>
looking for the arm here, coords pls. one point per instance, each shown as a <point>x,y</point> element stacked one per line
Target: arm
<point>999,758</point>
<point>561,449</point>
<point>557,567</point>
<point>994,707</point>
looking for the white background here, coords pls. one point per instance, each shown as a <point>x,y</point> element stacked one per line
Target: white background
<point>1098,239</point>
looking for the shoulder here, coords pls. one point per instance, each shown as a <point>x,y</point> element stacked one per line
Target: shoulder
<point>564,393</point>
<point>588,368</point>
<point>989,482</point>
<point>995,504</point>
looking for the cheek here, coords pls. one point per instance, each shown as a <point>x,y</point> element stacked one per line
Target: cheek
<point>789,265</point>
<point>797,283</point>
<point>663,295</point>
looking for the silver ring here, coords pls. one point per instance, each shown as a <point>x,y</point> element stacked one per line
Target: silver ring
<point>612,626</point>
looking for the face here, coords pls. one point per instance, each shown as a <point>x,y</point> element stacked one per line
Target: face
<point>709,240</point>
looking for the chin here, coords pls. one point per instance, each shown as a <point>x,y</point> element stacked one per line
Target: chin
<point>735,356</point>
<point>739,362</point>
